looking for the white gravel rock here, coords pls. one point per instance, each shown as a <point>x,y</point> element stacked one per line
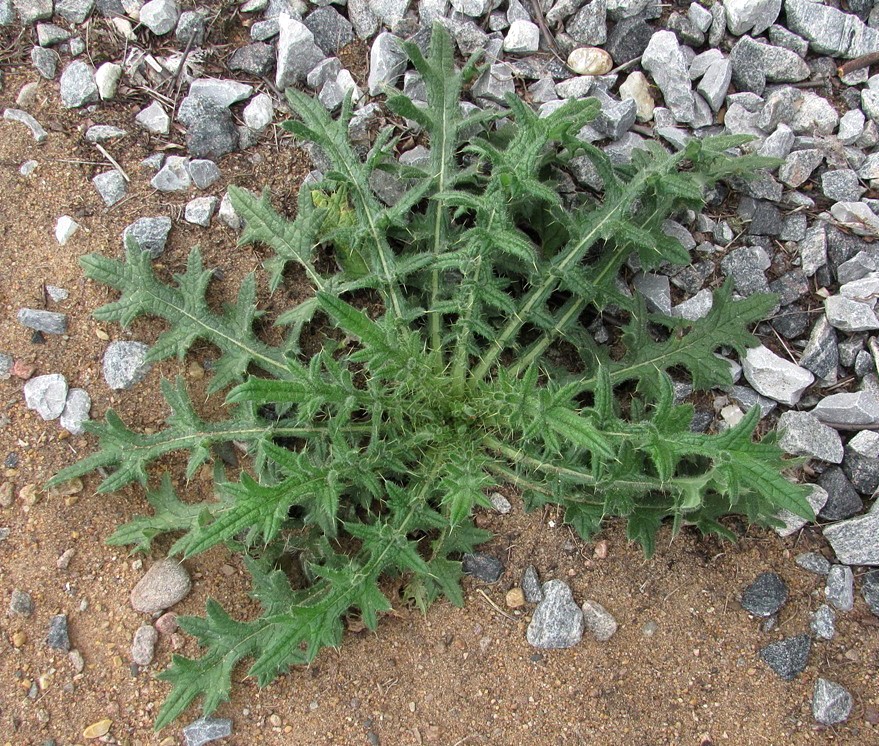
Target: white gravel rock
<point>259,112</point>
<point>522,37</point>
<point>856,216</point>
<point>107,79</point>
<point>775,377</point>
<point>173,176</point>
<point>160,16</point>
<point>78,87</point>
<point>850,315</point>
<point>803,434</point>
<point>46,395</point>
<point>125,364</point>
<point>200,210</point>
<point>65,228</point>
<point>754,16</point>
<point>221,92</point>
<point>77,410</point>
<point>849,411</point>
<point>665,61</point>
<point>154,119</point>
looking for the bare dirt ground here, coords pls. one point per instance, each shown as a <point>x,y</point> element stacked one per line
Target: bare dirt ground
<point>453,677</point>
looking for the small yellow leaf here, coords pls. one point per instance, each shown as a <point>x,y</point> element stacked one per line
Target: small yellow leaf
<point>96,730</point>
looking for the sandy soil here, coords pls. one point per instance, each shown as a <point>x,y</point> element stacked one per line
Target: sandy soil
<point>452,677</point>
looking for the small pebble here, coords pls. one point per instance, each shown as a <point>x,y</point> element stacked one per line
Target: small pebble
<point>21,603</point>
<point>97,730</point>
<point>58,637</point>
<point>515,598</point>
<point>144,645</point>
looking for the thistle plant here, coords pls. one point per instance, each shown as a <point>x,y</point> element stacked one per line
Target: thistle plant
<point>457,358</point>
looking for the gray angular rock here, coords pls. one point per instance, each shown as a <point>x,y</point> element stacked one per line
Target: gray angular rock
<point>842,500</point>
<point>200,210</point>
<point>31,11</point>
<point>148,234</point>
<point>821,622</point>
<point>849,411</point>
<point>665,61</point>
<point>813,249</point>
<point>814,114</point>
<point>598,621</point>
<point>775,377</point>
<point>523,37</point>
<point>58,637</point>
<point>531,585</point>
<point>203,172</point>
<point>821,354</point>
<point>483,566</point>
<point>589,24</point>
<point>870,590</point>
<point>387,62</point>
<point>765,596</point>
<point>210,131</point>
<point>21,603</point>
<point>850,315</point>
<point>191,28</point>
<point>857,217</point>
<point>265,30</point>
<point>494,83</point>
<point>259,112</point>
<point>297,52</point>
<point>831,703</point>
<point>715,83</point>
<point>804,435</point>
<point>125,364</point>
<point>163,585</point>
<point>78,87</point>
<point>798,166</point>
<point>841,185</point>
<point>77,409</point>
<point>173,176</point>
<point>861,463</point>
<point>75,11</point>
<point>840,588</point>
<point>856,541</point>
<point>787,657</point>
<point>207,729</point>
<point>830,31</point>
<point>46,395</point>
<point>48,34</point>
<point>557,621</point>
<point>628,39</point>
<point>363,19</point>
<point>256,59</point>
<point>750,16</point>
<point>746,267</point>
<point>48,322</point>
<point>755,63</point>
<point>6,363</point>
<point>813,562</point>
<point>111,185</point>
<point>160,16</point>
<point>656,291</point>
<point>7,13</point>
<point>331,30</point>
<point>154,119</point>
<point>220,92</point>
<point>144,645</point>
<point>45,61</point>
<point>103,133</point>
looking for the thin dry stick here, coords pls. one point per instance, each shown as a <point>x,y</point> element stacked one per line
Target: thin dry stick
<point>497,608</point>
<point>857,63</point>
<point>113,161</point>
